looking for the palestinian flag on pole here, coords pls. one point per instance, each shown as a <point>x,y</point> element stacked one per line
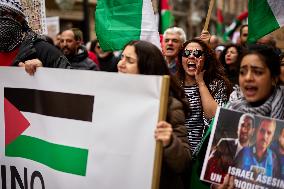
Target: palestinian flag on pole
<point>220,18</point>
<point>265,16</point>
<point>220,22</point>
<point>167,19</point>
<point>235,24</point>
<point>118,22</point>
<point>21,135</point>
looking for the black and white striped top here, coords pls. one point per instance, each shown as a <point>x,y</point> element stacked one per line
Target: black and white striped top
<point>195,122</point>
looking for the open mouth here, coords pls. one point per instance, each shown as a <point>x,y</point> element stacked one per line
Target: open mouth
<point>191,65</point>
<point>170,49</point>
<point>250,90</point>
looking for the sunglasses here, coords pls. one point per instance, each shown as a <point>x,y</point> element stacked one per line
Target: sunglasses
<point>196,53</point>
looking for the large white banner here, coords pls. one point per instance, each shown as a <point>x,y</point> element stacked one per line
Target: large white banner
<point>75,129</point>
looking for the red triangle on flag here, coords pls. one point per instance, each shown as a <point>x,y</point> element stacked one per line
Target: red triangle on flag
<point>15,122</point>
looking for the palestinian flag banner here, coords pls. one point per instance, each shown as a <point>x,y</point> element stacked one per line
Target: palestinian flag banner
<point>118,22</point>
<point>220,19</point>
<point>167,18</point>
<point>229,31</point>
<point>265,16</point>
<point>77,129</point>
<point>220,22</point>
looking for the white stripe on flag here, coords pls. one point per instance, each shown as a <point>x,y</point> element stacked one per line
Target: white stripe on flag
<point>149,26</point>
<point>59,130</point>
<point>277,7</point>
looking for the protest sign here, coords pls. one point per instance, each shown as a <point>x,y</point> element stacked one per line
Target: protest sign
<point>248,147</point>
<point>53,26</point>
<point>77,129</point>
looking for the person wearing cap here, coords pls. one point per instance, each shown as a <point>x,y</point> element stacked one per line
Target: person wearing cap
<point>218,50</point>
<point>20,46</point>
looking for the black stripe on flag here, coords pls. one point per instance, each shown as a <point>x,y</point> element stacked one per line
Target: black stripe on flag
<point>49,103</point>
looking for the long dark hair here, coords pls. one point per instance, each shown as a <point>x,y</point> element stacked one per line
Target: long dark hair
<point>223,54</point>
<point>151,62</point>
<point>232,71</point>
<point>213,67</point>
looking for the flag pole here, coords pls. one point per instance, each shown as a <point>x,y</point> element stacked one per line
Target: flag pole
<point>159,145</point>
<point>160,16</point>
<point>211,5</point>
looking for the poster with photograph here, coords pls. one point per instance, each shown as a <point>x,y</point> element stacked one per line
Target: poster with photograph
<point>35,12</point>
<point>248,147</point>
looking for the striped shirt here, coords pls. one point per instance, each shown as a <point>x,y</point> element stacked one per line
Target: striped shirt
<point>195,122</point>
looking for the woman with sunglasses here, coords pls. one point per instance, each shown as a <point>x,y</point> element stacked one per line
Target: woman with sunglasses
<point>203,79</point>
<point>259,93</point>
<point>141,57</point>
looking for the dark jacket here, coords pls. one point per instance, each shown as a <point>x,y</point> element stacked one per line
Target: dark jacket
<point>82,61</point>
<point>109,63</point>
<point>33,46</point>
<point>177,155</point>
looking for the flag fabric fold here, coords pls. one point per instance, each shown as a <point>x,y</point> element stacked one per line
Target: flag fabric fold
<point>120,21</point>
<point>265,16</point>
<point>220,22</point>
<point>234,25</point>
<point>167,19</point>
<point>220,19</point>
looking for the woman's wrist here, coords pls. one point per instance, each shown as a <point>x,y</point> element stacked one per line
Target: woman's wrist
<point>201,84</point>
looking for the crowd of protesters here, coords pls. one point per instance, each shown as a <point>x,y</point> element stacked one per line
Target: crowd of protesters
<point>205,74</point>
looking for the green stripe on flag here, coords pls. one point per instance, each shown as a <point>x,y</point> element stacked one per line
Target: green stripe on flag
<point>62,158</point>
<point>261,20</point>
<point>118,22</point>
<point>167,20</point>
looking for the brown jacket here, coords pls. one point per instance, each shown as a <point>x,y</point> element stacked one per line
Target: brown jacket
<point>177,155</point>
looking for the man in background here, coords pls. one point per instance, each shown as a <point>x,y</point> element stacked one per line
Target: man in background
<point>259,158</point>
<point>173,38</point>
<point>71,46</point>
<point>243,35</point>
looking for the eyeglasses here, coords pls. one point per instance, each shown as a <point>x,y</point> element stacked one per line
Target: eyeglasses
<point>196,53</point>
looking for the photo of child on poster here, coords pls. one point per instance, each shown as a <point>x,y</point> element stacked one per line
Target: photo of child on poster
<point>248,147</point>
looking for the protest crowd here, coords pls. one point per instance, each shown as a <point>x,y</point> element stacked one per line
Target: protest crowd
<point>204,74</point>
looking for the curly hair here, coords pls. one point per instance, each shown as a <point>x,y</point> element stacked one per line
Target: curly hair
<point>223,54</point>
<point>213,67</point>
<point>232,70</point>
